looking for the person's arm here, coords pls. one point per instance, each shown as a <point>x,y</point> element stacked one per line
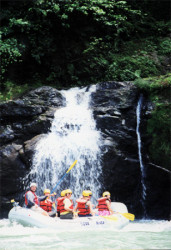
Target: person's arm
<point>91,207</point>
<point>42,198</point>
<point>67,204</point>
<point>109,207</point>
<point>30,200</point>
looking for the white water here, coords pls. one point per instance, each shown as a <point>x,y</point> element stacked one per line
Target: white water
<point>137,235</point>
<point>73,136</point>
<point>138,113</point>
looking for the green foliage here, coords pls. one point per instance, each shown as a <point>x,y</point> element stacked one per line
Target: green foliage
<point>164,47</point>
<point>12,91</point>
<point>159,127</point>
<point>126,68</point>
<point>10,52</point>
<point>154,83</point>
<point>78,42</point>
<point>55,34</point>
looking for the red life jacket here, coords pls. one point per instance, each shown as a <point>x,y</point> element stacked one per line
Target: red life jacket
<point>46,205</point>
<point>82,208</point>
<point>102,204</point>
<point>35,198</point>
<point>60,204</point>
<point>63,209</point>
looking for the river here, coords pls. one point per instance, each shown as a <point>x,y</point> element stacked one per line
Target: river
<point>143,234</point>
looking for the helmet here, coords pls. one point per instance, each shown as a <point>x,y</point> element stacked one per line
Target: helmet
<point>47,191</point>
<point>63,193</point>
<point>106,193</point>
<point>86,193</point>
<point>33,184</point>
<point>90,193</point>
<point>67,191</point>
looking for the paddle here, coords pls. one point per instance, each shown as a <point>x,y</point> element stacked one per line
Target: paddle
<point>64,175</point>
<point>126,215</point>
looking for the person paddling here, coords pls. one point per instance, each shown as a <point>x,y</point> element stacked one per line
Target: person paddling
<point>32,200</point>
<point>104,205</point>
<point>84,205</point>
<point>67,210</point>
<point>48,204</point>
<point>60,204</point>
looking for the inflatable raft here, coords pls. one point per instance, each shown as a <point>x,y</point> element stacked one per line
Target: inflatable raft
<point>27,217</point>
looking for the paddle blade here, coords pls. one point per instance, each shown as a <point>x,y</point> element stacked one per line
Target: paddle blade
<point>71,166</point>
<point>128,216</point>
<point>113,218</point>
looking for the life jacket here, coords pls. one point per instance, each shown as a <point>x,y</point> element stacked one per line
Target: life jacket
<point>46,205</point>
<point>102,204</point>
<point>60,204</point>
<point>35,198</point>
<point>82,208</point>
<point>62,210</point>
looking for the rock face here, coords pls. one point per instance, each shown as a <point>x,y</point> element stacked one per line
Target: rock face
<point>25,121</point>
<point>114,107</point>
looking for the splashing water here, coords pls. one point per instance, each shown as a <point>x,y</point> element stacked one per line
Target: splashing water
<point>138,113</point>
<point>73,136</point>
<point>137,235</point>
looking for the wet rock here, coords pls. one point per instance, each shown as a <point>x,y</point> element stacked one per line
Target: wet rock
<point>23,122</point>
<point>27,151</point>
<point>114,105</point>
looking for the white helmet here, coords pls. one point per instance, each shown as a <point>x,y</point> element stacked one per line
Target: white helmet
<point>33,184</point>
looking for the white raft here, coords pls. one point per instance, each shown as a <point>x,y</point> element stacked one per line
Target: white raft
<point>27,217</point>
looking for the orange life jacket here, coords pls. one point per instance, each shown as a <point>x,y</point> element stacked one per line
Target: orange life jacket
<point>63,209</point>
<point>82,208</point>
<point>46,205</point>
<point>35,198</point>
<point>60,204</point>
<point>102,204</point>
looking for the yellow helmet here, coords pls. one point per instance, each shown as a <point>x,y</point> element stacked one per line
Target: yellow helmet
<point>90,193</point>
<point>68,191</point>
<point>106,193</point>
<point>47,191</point>
<point>63,193</point>
<point>86,193</point>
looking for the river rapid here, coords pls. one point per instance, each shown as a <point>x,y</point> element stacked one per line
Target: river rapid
<point>143,234</point>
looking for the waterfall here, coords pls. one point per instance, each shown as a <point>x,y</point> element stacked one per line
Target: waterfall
<point>138,113</point>
<point>73,136</point>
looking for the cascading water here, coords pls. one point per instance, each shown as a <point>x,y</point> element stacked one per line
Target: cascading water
<point>73,136</point>
<point>138,113</point>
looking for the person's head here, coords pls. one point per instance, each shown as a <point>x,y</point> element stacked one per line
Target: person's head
<point>68,193</point>
<point>90,193</point>
<point>63,193</point>
<point>106,194</point>
<point>46,191</point>
<point>86,194</point>
<point>33,186</point>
